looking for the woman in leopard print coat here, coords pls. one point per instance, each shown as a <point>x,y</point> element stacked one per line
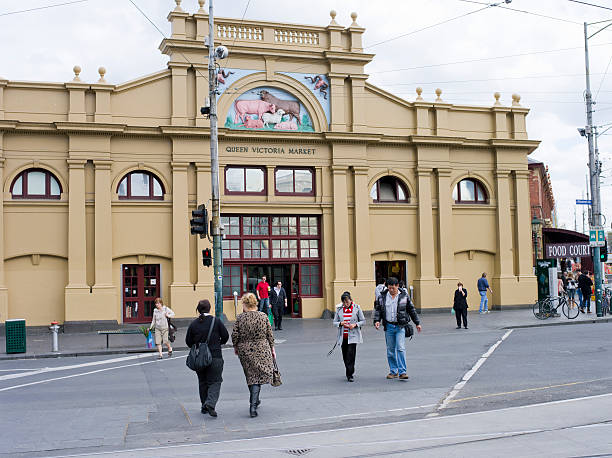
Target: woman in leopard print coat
<point>254,344</point>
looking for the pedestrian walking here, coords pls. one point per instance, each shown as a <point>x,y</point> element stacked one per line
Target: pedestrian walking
<point>159,323</point>
<point>578,290</point>
<point>460,305</point>
<point>585,284</point>
<point>394,308</point>
<point>263,294</point>
<point>209,378</point>
<point>253,342</point>
<point>560,285</point>
<point>278,301</point>
<point>382,284</point>
<point>483,286</point>
<point>349,320</point>
<point>571,287</point>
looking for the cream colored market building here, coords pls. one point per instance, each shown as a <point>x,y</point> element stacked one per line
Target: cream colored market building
<point>100,180</point>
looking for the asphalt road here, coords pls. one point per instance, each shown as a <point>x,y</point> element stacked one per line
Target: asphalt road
<point>120,404</point>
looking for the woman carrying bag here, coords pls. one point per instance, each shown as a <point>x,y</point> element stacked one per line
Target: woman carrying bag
<point>348,319</point>
<point>460,305</point>
<point>253,342</point>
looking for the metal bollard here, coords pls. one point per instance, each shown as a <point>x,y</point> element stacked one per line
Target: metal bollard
<point>54,332</point>
<point>235,304</point>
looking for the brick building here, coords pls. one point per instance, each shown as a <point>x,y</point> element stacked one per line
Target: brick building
<point>542,203</point>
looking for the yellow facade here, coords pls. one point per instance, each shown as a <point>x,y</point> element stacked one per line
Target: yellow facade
<point>62,258</point>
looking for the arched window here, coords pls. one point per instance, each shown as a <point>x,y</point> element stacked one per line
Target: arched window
<point>470,191</point>
<point>389,189</point>
<point>140,185</point>
<point>36,184</point>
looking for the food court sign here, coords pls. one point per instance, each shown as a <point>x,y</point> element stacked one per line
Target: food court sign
<point>567,250</point>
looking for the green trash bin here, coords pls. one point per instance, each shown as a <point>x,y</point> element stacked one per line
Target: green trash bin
<point>15,336</point>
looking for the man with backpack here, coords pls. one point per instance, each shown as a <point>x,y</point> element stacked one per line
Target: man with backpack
<point>395,309</point>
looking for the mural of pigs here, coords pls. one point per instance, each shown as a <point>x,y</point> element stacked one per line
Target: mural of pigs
<point>251,123</point>
<point>291,107</point>
<point>287,125</point>
<point>258,107</point>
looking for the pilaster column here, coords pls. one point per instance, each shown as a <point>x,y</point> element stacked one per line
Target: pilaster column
<point>365,279</point>
<point>103,224</point>
<point>522,251</point>
<point>3,84</point>
<point>445,225</point>
<point>76,111</point>
<point>3,289</point>
<point>201,73</point>
<point>180,225</point>
<point>503,279</point>
<point>179,96</point>
<point>425,279</point>
<point>341,241</point>
<point>77,263</point>
<point>338,122</point>
<point>359,103</point>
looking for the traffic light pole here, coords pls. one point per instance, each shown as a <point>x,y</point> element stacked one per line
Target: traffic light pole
<point>595,221</point>
<point>214,165</point>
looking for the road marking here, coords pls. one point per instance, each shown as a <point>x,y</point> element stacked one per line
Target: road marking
<point>86,373</point>
<point>349,428</point>
<point>44,370</point>
<point>469,374</point>
<point>530,389</point>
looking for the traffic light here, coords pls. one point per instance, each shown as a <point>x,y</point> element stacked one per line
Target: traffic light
<point>206,257</point>
<point>603,253</point>
<point>199,222</point>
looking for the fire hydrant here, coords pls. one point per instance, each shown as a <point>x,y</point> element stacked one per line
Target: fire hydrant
<point>54,332</point>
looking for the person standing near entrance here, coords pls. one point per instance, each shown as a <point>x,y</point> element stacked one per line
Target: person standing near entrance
<point>159,324</point>
<point>460,305</point>
<point>483,286</point>
<point>278,301</point>
<point>585,284</point>
<point>394,308</point>
<point>263,290</point>
<point>253,342</point>
<point>209,378</point>
<point>349,320</point>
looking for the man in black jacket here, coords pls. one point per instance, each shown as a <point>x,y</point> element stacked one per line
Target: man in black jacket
<point>278,301</point>
<point>584,284</point>
<point>210,378</point>
<point>394,308</point>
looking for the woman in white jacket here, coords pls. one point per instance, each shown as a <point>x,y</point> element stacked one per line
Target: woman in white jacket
<point>159,324</point>
<point>349,319</point>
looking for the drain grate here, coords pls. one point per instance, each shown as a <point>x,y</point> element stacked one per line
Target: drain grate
<point>299,451</point>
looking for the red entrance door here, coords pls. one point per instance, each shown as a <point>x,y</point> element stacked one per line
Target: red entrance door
<point>140,288</point>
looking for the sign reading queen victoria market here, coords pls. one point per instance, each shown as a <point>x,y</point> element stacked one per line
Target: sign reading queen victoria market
<point>567,250</point>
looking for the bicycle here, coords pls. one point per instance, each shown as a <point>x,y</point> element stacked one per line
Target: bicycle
<point>549,306</point>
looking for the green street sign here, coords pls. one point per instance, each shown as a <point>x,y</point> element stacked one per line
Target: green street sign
<point>597,237</point>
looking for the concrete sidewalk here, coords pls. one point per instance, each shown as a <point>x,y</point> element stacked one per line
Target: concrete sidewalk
<point>38,343</point>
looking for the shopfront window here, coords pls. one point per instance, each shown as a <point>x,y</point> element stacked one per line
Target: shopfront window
<point>245,180</point>
<point>230,249</point>
<point>309,225</point>
<point>293,181</point>
<point>309,248</point>
<point>231,280</point>
<point>284,225</point>
<point>255,225</point>
<point>231,225</point>
<point>255,249</point>
<point>310,280</point>
<point>284,248</point>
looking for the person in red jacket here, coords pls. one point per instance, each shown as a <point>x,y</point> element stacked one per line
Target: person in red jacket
<point>262,290</point>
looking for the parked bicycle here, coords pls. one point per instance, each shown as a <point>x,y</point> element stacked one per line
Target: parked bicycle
<point>549,306</point>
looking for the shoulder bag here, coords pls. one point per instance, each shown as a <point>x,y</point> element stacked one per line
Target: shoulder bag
<point>276,376</point>
<point>199,357</point>
<point>409,330</point>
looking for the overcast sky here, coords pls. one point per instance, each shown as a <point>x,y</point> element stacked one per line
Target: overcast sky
<point>44,45</point>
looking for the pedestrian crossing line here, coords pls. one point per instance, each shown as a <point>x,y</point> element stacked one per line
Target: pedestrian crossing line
<point>469,374</point>
<point>526,390</point>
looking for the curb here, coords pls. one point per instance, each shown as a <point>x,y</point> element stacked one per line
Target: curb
<point>560,323</point>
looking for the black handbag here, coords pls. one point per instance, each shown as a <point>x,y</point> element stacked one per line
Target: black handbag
<point>199,356</point>
<point>409,330</point>
<point>276,376</point>
<point>171,330</point>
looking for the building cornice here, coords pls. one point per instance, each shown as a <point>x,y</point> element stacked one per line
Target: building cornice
<point>89,127</point>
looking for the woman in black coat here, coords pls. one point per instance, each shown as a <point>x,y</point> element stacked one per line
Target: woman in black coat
<point>210,378</point>
<point>460,305</point>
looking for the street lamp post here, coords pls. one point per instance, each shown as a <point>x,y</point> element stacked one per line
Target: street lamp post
<point>535,229</point>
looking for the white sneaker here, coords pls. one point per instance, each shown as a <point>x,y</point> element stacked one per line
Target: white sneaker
<point>488,311</point>
<point>481,312</point>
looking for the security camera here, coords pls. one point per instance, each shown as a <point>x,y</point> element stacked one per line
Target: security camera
<point>582,131</point>
<point>221,52</point>
<point>205,110</point>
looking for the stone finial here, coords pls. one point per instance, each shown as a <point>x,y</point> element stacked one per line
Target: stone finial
<point>77,71</point>
<point>354,18</point>
<point>497,95</point>
<point>419,91</point>
<point>201,3</point>
<point>438,94</point>
<point>332,14</point>
<point>102,72</point>
<point>178,8</point>
<point>515,100</point>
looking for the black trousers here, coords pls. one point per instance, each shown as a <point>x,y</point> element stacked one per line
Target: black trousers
<point>277,313</point>
<point>349,351</point>
<point>459,314</point>
<point>209,381</point>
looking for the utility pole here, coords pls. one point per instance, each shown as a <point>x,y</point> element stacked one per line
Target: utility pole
<point>214,165</point>
<point>595,219</point>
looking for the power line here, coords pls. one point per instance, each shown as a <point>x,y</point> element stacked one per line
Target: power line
<point>603,77</point>
<point>527,12</point>
<point>236,36</point>
<point>43,7</point>
<point>591,4</point>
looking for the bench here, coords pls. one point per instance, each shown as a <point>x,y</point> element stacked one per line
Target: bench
<point>119,331</point>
